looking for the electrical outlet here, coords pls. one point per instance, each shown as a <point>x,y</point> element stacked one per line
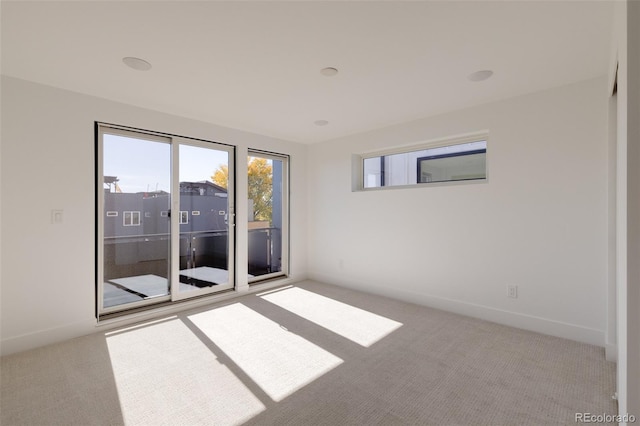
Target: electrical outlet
<point>512,291</point>
<point>56,217</point>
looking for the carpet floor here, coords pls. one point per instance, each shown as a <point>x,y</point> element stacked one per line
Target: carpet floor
<point>308,354</point>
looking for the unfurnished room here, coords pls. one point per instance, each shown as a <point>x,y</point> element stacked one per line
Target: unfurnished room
<point>319,212</point>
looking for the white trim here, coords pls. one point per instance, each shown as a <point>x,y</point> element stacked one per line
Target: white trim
<point>134,134</point>
<point>286,215</point>
<point>357,161</point>
<point>131,216</point>
<point>424,185</point>
<point>512,319</point>
<point>23,342</point>
<point>176,294</point>
<point>611,302</point>
<point>259,279</point>
<point>175,221</point>
<point>286,254</point>
<point>186,215</point>
<point>100,223</point>
<point>240,221</point>
<point>175,290</point>
<point>482,135</point>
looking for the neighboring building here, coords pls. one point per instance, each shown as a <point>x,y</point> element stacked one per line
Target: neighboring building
<point>203,207</point>
<point>136,229</point>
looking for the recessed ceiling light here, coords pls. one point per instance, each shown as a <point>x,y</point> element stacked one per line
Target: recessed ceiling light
<point>137,63</point>
<point>329,71</point>
<point>480,75</point>
<point>321,122</point>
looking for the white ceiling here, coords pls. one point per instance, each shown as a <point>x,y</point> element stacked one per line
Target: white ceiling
<point>256,66</point>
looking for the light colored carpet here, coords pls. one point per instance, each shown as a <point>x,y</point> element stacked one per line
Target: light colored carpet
<point>311,354</point>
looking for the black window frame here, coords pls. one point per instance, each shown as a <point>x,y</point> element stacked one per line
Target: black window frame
<point>419,161</point>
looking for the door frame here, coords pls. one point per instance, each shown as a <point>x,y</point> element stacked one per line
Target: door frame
<point>285,243</point>
<point>174,141</point>
<point>176,295</point>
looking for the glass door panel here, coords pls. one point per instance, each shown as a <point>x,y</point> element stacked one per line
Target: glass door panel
<point>204,220</point>
<point>165,208</point>
<point>267,227</point>
<point>136,195</point>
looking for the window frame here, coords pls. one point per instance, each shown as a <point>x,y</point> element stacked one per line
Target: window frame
<point>286,244</point>
<point>419,161</point>
<point>174,298</point>
<point>184,214</point>
<point>358,178</point>
<point>132,214</point>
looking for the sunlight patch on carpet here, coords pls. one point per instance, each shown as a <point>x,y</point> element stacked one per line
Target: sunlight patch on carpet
<point>360,326</point>
<point>278,361</point>
<point>166,375</point>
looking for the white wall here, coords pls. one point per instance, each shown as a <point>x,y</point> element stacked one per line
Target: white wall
<point>626,56</point>
<point>48,271</point>
<point>1,238</point>
<point>620,60</point>
<point>539,223</point>
<point>633,213</point>
<point>611,345</point>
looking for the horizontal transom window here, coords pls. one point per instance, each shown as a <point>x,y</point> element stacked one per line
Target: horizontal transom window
<point>449,161</point>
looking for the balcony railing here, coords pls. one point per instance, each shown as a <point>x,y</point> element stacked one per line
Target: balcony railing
<point>133,255</point>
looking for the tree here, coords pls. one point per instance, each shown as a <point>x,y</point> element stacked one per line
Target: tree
<point>221,176</point>
<point>260,175</point>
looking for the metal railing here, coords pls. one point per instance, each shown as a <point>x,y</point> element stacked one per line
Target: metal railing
<point>128,255</point>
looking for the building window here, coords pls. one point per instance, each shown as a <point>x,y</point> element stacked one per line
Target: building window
<point>131,219</point>
<point>464,165</point>
<point>112,214</point>
<point>184,217</point>
<point>452,160</point>
<point>195,213</point>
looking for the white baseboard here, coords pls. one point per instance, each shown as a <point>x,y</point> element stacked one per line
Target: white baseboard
<point>513,319</point>
<point>52,335</point>
<point>541,325</point>
<point>45,337</point>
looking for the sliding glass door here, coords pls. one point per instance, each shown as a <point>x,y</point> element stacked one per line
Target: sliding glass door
<point>163,223</point>
<point>205,243</point>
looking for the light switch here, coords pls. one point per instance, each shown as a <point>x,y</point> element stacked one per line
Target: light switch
<point>56,216</point>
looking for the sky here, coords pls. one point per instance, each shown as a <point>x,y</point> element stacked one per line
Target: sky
<point>143,165</point>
